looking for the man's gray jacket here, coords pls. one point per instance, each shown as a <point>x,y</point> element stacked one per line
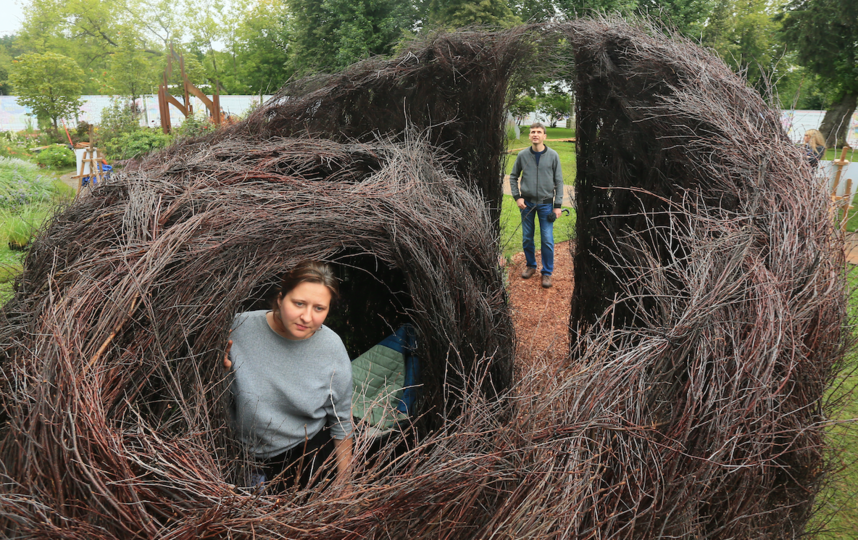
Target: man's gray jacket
<point>540,185</point>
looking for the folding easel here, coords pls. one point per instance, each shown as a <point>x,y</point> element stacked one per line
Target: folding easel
<point>844,201</point>
<point>90,167</point>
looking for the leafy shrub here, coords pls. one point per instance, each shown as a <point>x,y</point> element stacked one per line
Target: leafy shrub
<point>81,132</point>
<point>137,143</point>
<point>15,144</point>
<point>56,157</point>
<point>254,105</point>
<point>117,119</point>
<point>193,126</point>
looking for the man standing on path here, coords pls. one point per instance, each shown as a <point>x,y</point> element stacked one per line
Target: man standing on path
<point>540,193</point>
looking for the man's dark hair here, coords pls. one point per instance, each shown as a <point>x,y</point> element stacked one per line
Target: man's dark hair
<point>538,125</point>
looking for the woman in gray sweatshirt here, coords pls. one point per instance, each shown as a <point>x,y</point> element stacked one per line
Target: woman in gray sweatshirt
<point>291,381</point>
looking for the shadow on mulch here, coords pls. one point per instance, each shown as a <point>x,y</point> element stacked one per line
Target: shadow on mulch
<point>541,316</point>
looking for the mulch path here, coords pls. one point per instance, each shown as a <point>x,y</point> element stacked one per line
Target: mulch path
<point>541,316</point>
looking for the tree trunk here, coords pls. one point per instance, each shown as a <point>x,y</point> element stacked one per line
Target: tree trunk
<point>835,124</point>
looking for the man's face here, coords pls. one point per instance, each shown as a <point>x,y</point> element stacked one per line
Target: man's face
<point>537,136</point>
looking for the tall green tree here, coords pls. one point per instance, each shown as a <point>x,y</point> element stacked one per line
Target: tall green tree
<point>744,34</point>
<point>522,106</point>
<point>369,27</point>
<point>460,13</point>
<point>257,43</point>
<point>687,16</point>
<point>9,48</point>
<point>161,21</point>
<point>801,89</point>
<point>555,102</point>
<point>326,35</point>
<point>534,11</point>
<point>207,27</point>
<point>311,41</point>
<point>49,84</point>
<point>89,32</point>
<point>824,33</point>
<point>131,72</point>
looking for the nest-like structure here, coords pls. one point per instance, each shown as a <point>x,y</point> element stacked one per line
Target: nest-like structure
<point>708,322</point>
<point>115,336</point>
<point>709,291</point>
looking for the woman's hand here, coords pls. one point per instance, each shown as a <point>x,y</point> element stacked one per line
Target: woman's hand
<point>343,456</point>
<point>227,363</point>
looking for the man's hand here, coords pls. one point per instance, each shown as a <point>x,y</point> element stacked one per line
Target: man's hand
<point>557,212</point>
<point>227,363</point>
<point>520,203</point>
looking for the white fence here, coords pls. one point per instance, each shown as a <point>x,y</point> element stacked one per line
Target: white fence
<point>13,117</point>
<point>794,122</point>
<point>797,122</point>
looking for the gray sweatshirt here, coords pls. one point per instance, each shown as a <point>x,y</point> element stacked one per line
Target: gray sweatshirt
<point>542,184</point>
<point>285,389</point>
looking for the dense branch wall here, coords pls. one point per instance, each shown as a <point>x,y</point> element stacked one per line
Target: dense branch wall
<point>708,315</point>
<point>706,248</point>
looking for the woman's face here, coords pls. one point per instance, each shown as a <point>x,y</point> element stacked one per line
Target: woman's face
<point>806,138</point>
<point>301,311</point>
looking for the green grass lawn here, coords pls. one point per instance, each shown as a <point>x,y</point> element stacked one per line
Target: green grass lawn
<point>28,196</point>
<point>564,228</point>
<point>852,222</point>
<point>837,503</point>
<point>834,153</point>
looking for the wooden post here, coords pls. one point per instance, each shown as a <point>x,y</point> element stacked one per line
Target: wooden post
<point>844,201</point>
<point>165,99</point>
<point>217,116</point>
<point>847,205</point>
<point>839,163</point>
<point>164,107</point>
<point>185,84</point>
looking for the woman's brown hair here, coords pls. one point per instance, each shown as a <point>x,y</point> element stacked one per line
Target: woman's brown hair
<point>310,272</point>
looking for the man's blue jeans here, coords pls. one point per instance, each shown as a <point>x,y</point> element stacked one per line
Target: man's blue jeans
<point>546,235</point>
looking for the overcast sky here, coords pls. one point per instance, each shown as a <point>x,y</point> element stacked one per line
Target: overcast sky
<point>11,16</point>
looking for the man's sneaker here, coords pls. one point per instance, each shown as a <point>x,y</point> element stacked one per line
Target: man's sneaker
<point>546,281</point>
<point>528,272</point>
